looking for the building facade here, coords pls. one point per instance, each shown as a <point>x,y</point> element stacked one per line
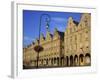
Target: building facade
<point>77,41</point>
<point>69,48</point>
<point>52,49</point>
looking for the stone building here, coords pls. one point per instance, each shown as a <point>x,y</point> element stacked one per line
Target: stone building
<point>52,49</point>
<point>29,55</point>
<point>69,48</point>
<point>77,41</point>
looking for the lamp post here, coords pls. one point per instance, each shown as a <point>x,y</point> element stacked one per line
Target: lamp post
<point>38,48</point>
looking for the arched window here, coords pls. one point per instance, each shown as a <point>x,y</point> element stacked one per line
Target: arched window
<point>67,61</point>
<point>47,62</point>
<point>62,61</point>
<point>54,60</point>
<point>42,61</point>
<point>76,60</point>
<point>81,59</point>
<point>86,21</point>
<point>71,60</point>
<point>70,30</point>
<point>58,61</point>
<point>87,59</point>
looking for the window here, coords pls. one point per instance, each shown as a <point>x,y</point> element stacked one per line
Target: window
<point>75,46</point>
<point>71,43</point>
<point>80,37</point>
<point>85,21</point>
<point>70,24</point>
<point>71,39</point>
<point>70,30</point>
<point>54,60</point>
<point>86,35</point>
<point>75,38</point>
<point>74,28</point>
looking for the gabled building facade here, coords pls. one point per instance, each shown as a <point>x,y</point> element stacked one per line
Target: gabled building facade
<point>69,48</point>
<point>77,41</point>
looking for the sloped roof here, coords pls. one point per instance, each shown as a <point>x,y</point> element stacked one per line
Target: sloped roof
<point>76,22</point>
<point>61,34</point>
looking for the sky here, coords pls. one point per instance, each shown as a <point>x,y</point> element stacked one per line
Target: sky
<point>31,22</point>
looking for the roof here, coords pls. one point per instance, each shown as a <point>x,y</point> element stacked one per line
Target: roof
<point>51,35</point>
<point>61,34</point>
<point>76,22</point>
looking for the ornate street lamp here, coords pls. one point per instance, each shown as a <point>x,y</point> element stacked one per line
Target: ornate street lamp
<point>38,48</point>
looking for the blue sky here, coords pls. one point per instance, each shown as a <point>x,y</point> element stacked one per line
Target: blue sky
<point>31,21</point>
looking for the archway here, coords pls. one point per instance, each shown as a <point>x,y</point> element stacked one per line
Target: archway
<point>46,61</point>
<point>52,62</point>
<point>49,61</point>
<point>35,63</point>
<point>87,59</point>
<point>62,61</point>
<point>42,62</point>
<point>81,59</point>
<point>57,61</point>
<point>71,60</point>
<point>67,61</point>
<point>76,60</point>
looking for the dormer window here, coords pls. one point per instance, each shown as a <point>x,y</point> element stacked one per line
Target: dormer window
<point>85,21</point>
<point>70,23</point>
<point>70,30</point>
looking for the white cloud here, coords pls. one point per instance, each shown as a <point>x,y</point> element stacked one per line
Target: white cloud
<point>28,38</point>
<point>59,19</point>
<point>61,28</point>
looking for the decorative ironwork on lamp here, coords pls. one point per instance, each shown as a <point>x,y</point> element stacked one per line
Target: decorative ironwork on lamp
<point>38,48</point>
